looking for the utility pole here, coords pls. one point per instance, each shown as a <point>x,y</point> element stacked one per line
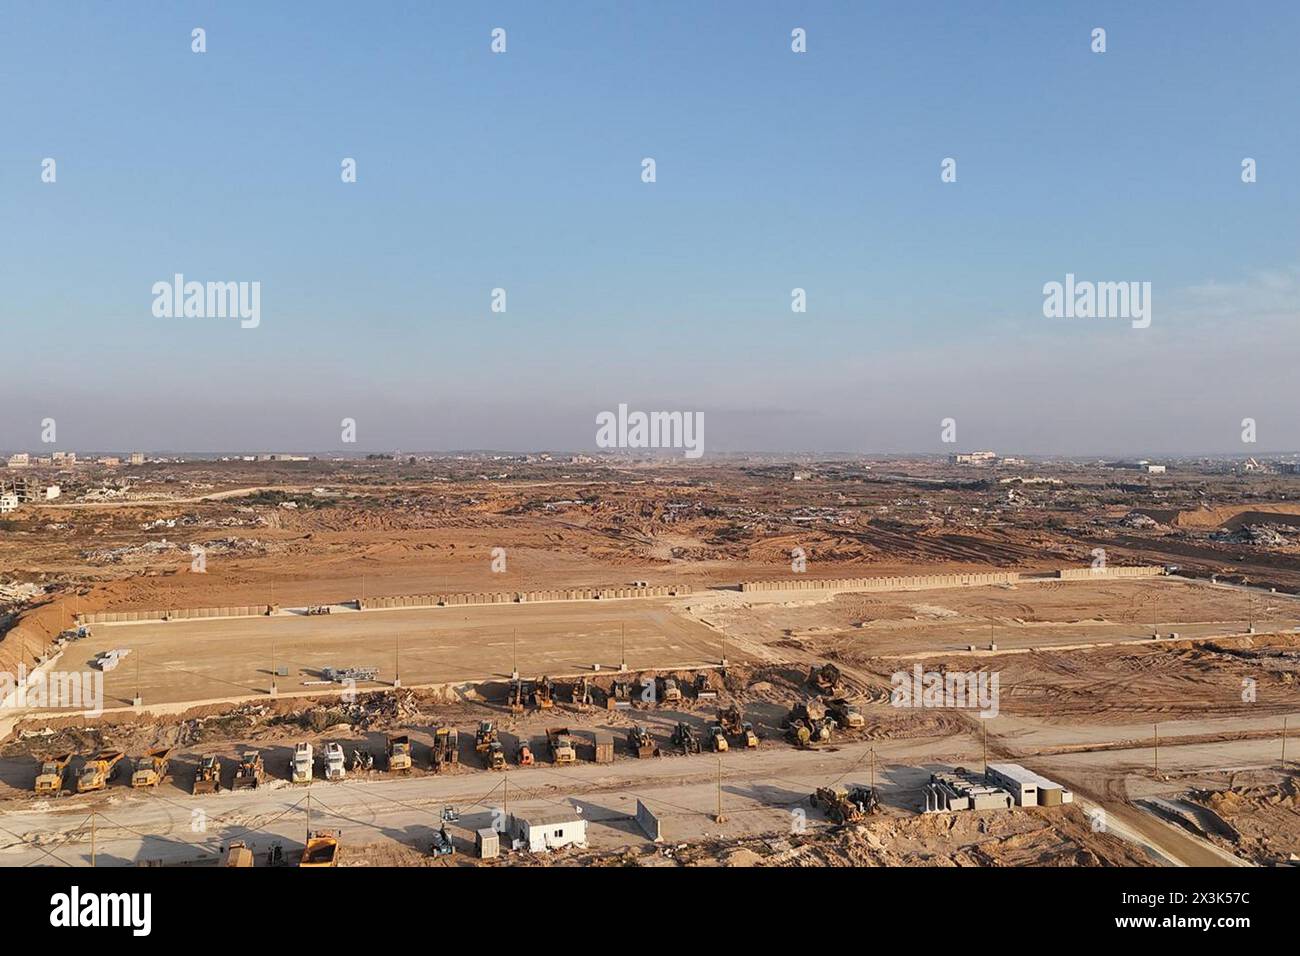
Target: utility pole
<point>505,795</point>
<point>397,661</point>
<point>138,699</point>
<point>873,769</point>
<point>719,818</point>
<point>273,687</point>
<point>985,725</point>
<point>622,641</point>
<point>1157,748</point>
<point>514,654</point>
<point>308,840</point>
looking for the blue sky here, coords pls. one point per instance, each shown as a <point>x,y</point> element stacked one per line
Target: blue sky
<point>775,171</point>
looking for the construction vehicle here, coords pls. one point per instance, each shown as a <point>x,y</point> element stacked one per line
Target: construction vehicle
<point>355,675</point>
<point>334,768</point>
<point>672,694</point>
<point>98,770</point>
<point>442,845</point>
<point>717,739</point>
<point>620,696</point>
<point>362,759</point>
<point>495,758</point>
<point>151,769</point>
<point>238,854</point>
<point>207,778</point>
<point>747,736</point>
<point>524,754</point>
<point>685,740</point>
<point>275,854</point>
<point>821,730</point>
<point>399,753</point>
<point>704,689</point>
<point>730,719</point>
<point>560,743</point>
<point>317,609</point>
<point>544,694</point>
<point>49,781</point>
<point>798,734</point>
<point>808,711</point>
<point>250,773</point>
<point>303,763</point>
<point>582,694</point>
<point>485,736</point>
<point>824,679</point>
<point>446,748</point>
<point>639,742</point>
<point>845,715</point>
<point>515,697</point>
<point>322,845</point>
<point>850,805</point>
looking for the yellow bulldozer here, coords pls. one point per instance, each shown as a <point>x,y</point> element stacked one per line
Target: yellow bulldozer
<point>250,772</point>
<point>49,779</point>
<point>152,768</point>
<point>99,770</point>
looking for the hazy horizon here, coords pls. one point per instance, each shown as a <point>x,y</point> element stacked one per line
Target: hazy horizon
<point>775,171</point>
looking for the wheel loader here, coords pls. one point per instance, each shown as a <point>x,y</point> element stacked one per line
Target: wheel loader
<point>322,849</point>
<point>207,778</point>
<point>685,740</point>
<point>717,739</point>
<point>639,742</point>
<point>250,772</point>
<point>496,756</point>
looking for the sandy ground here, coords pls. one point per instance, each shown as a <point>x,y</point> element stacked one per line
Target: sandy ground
<point>203,660</point>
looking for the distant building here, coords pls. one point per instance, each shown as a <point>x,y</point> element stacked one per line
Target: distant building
<point>1153,469</point>
<point>64,459</point>
<point>973,458</point>
<point>110,462</point>
<point>20,460</point>
<point>137,458</point>
<point>52,492</point>
<point>8,503</point>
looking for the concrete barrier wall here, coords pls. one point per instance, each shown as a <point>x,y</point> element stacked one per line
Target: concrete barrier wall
<point>175,614</point>
<point>934,581</point>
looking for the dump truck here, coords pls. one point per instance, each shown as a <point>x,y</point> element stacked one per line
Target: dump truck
<point>544,693</point>
<point>639,742</point>
<point>824,679</point>
<point>685,740</point>
<point>845,715</point>
<point>672,694</point>
<point>98,770</point>
<point>747,735</point>
<point>560,743</point>
<point>322,848</point>
<point>808,711</point>
<point>207,778</point>
<point>238,854</point>
<point>151,769</point>
<point>49,780</point>
<point>335,769</point>
<point>495,758</point>
<point>399,753</point>
<point>717,739</point>
<point>250,773</point>
<point>843,805</point>
<point>301,770</point>
<point>446,747</point>
<point>484,736</point>
<point>730,719</point>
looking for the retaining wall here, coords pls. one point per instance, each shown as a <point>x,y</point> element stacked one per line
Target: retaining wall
<point>934,581</point>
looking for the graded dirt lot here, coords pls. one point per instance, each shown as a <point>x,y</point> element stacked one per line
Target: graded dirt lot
<point>213,659</point>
